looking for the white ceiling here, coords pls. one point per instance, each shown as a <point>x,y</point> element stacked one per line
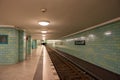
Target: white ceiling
<point>65,16</point>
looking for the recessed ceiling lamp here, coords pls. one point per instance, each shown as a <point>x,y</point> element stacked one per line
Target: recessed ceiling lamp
<point>43,38</point>
<point>44,23</point>
<point>43,35</point>
<point>43,31</point>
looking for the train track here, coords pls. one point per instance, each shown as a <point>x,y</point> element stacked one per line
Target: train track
<point>66,69</point>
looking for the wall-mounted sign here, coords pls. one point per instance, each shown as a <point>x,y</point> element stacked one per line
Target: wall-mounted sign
<point>3,39</point>
<point>80,42</point>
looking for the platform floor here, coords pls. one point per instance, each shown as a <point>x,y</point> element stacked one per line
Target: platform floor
<point>26,70</point>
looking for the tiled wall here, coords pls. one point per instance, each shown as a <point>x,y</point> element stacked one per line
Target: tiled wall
<point>9,52</point>
<point>22,45</point>
<point>102,46</point>
<point>29,45</point>
<point>34,44</point>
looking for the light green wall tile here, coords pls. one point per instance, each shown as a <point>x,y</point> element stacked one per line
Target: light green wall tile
<point>9,52</point>
<point>101,50</point>
<point>34,44</point>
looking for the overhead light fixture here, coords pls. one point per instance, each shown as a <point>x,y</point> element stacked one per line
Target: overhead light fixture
<point>43,10</point>
<point>44,23</point>
<point>43,31</point>
<point>43,38</point>
<point>43,35</point>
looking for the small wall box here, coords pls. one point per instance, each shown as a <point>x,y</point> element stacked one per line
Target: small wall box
<point>80,42</point>
<point>3,39</point>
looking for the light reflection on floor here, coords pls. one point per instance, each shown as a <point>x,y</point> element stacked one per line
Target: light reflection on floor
<point>21,71</point>
<point>48,71</point>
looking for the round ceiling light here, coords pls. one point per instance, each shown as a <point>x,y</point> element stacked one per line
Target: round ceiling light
<point>44,23</point>
<point>43,31</point>
<point>43,35</point>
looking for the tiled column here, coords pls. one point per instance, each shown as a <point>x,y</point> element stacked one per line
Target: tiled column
<point>9,50</point>
<point>34,44</point>
<point>29,45</point>
<point>22,45</point>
